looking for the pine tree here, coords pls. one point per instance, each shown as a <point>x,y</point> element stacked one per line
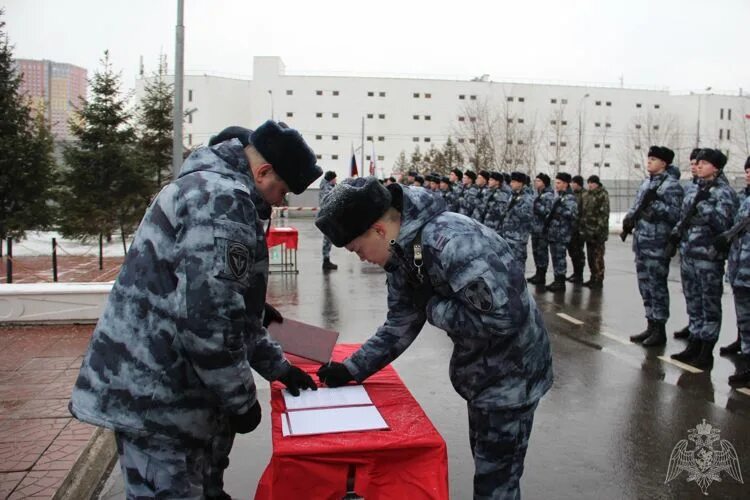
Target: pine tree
<point>26,163</point>
<point>402,164</point>
<point>451,155</point>
<point>155,130</point>
<point>416,159</point>
<point>105,190</point>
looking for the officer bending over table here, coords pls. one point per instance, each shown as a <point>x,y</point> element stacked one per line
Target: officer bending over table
<point>462,277</point>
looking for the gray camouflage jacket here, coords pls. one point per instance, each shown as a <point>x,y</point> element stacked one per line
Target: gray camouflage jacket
<point>516,224</point>
<point>541,204</point>
<point>738,265</point>
<point>325,188</point>
<point>501,356</point>
<point>468,200</point>
<point>564,213</point>
<point>493,207</point>
<point>182,327</point>
<point>652,230</point>
<point>714,216</point>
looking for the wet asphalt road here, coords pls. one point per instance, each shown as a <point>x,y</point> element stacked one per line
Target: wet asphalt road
<point>605,430</point>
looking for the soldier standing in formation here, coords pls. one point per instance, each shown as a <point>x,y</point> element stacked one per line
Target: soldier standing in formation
<point>707,211</point>
<point>576,245</point>
<point>169,363</point>
<point>493,203</point>
<point>594,229</point>
<point>541,205</point>
<point>418,181</point>
<point>467,282</point>
<point>515,222</point>
<point>449,194</point>
<point>326,186</point>
<point>468,194</point>
<point>651,219</point>
<point>559,226</point>
<point>477,212</point>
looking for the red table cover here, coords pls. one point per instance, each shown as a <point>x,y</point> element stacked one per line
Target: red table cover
<point>409,461</point>
<point>287,236</point>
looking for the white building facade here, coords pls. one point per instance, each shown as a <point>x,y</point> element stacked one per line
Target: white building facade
<point>532,127</point>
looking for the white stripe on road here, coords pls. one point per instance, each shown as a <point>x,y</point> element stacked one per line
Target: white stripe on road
<point>616,338</point>
<point>744,391</point>
<point>570,318</point>
<point>678,364</point>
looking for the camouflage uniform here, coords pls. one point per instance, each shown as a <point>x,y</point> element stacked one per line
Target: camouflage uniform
<point>451,199</point>
<point>650,238</point>
<point>501,363</point>
<point>468,200</point>
<point>515,225</point>
<point>458,194</point>
<point>172,353</point>
<point>594,228</point>
<point>575,247</point>
<point>700,263</point>
<point>738,274</point>
<point>542,204</point>
<point>495,206</point>
<point>560,230</point>
<point>325,188</point>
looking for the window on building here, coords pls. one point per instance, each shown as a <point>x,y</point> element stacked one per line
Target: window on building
<point>608,103</point>
<point>318,92</point>
<point>368,157</point>
<point>318,115</point>
<point>289,92</point>
<point>472,98</point>
<point>335,115</point>
<point>472,119</point>
<point>381,116</point>
<point>426,139</point>
<point>638,105</point>
<point>597,146</point>
<point>370,116</point>
<point>510,99</point>
<point>381,138</point>
<point>521,99</point>
<point>637,147</point>
<point>318,137</point>
<point>289,114</point>
<point>520,142</point>
<point>190,118</point>
<point>729,114</point>
<point>562,163</point>
<point>319,157</point>
<point>606,164</point>
<point>638,125</point>
<point>509,142</point>
<point>428,96</point>
<point>520,120</point>
<point>553,122</point>
<point>334,138</point>
<point>381,94</point>
<point>598,103</point>
<point>563,144</point>
<point>721,114</point>
<point>729,138</point>
<point>415,95</point>
<point>461,96</point>
<point>564,122</point>
<point>461,118</point>
<point>190,95</point>
<point>553,143</point>
<point>563,101</point>
<point>656,127</point>
<point>334,157</point>
<point>607,146</point>
<point>608,125</point>
<point>415,117</point>
<point>190,139</point>
<point>596,164</point>
<point>369,138</point>
<point>637,165</point>
<point>552,163</point>
<point>415,139</point>
<point>597,124</point>
<point>510,120</point>
<point>371,94</point>
<point>472,141</point>
<point>427,117</point>
<point>553,101</point>
<point>656,106</point>
<point>721,133</point>
<point>335,92</point>
<point>381,157</point>
<point>460,141</point>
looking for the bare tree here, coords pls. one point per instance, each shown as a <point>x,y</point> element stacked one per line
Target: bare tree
<point>651,129</point>
<point>557,146</point>
<point>740,140</point>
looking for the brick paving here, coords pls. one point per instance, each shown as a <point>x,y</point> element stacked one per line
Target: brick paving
<point>39,440</point>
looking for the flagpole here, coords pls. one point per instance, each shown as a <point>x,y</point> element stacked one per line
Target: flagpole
<point>362,157</point>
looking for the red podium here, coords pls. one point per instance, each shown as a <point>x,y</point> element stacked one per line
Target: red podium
<point>288,238</point>
<point>407,461</point>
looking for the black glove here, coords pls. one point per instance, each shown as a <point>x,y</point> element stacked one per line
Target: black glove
<point>649,196</point>
<point>421,294</point>
<point>721,243</point>
<point>271,314</point>
<point>674,239</point>
<point>702,195</point>
<point>334,374</point>
<point>245,422</point>
<point>628,225</point>
<point>296,379</point>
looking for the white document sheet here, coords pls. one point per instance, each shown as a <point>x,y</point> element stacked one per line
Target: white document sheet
<point>324,397</point>
<point>330,420</point>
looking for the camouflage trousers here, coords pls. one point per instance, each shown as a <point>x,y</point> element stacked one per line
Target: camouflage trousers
<point>742,306</point>
<point>652,283</point>
<point>577,255</point>
<point>499,440</point>
<point>595,256</point>
<point>703,291</point>
<point>558,251</point>
<point>326,247</point>
<point>158,470</point>
<point>519,249</point>
<point>540,250</point>
<point>218,461</point>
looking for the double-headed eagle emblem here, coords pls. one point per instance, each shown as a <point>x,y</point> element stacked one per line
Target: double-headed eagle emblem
<point>703,463</point>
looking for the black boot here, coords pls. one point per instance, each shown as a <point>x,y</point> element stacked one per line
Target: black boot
<point>682,334</point>
<point>705,359</point>
<point>558,285</point>
<point>328,265</point>
<point>657,337</point>
<point>733,348</point>
<point>576,277</point>
<point>740,379</point>
<point>539,277</point>
<point>689,353</point>
<point>644,334</point>
<point>221,496</point>
<point>595,284</point>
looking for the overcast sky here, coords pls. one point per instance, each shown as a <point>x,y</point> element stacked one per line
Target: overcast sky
<point>680,44</point>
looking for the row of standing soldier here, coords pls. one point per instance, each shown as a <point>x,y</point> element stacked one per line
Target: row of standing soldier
<point>564,219</point>
<point>706,224</point>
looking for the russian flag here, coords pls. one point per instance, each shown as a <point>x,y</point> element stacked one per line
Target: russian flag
<point>353,172</point>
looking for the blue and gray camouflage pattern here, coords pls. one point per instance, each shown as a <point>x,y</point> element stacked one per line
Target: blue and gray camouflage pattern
<point>742,308</point>
<point>501,357</point>
<point>494,208</point>
<point>480,202</point>
<point>706,280</point>
<point>738,264</point>
<point>652,230</point>
<point>542,204</point>
<point>652,284</point>
<point>451,199</point>
<point>468,200</point>
<point>713,216</point>
<point>499,440</point>
<point>325,188</point>
<point>173,349</point>
<point>458,194</point>
<point>564,212</point>
<point>515,226</point>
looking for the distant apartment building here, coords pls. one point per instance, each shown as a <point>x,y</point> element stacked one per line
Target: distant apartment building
<point>535,127</point>
<point>55,88</point>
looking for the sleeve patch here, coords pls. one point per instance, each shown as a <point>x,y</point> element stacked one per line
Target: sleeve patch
<point>479,295</point>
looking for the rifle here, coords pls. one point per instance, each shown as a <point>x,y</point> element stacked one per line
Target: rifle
<point>679,231</point>
<point>724,241</point>
<point>551,214</point>
<point>638,213</point>
<point>513,201</point>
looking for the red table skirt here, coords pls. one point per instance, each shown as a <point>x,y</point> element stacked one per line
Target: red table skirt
<point>287,236</point>
<point>409,461</point>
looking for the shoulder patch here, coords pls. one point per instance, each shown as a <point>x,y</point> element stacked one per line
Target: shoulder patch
<point>238,260</point>
<point>479,295</point>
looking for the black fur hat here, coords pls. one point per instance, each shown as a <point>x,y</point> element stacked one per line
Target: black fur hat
<point>484,174</point>
<point>747,163</point>
<point>564,176</point>
<point>289,155</point>
<point>578,179</point>
<point>712,156</point>
<point>412,173</point>
<point>458,172</point>
<point>471,175</point>
<point>518,177</point>
<point>544,178</point>
<point>445,179</point>
<point>497,176</point>
<point>351,208</point>
<point>663,153</point>
<point>694,153</point>
<point>330,175</point>
<point>594,179</point>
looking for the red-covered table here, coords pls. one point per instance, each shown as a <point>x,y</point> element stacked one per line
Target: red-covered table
<point>288,238</point>
<point>409,461</point>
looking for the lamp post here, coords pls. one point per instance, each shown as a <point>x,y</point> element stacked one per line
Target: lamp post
<point>177,115</point>
<point>698,121</point>
<point>270,93</point>
<point>580,132</point>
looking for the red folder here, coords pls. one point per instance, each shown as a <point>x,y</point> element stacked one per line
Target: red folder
<point>307,341</point>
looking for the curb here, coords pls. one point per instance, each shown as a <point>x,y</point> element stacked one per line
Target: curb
<point>92,465</point>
